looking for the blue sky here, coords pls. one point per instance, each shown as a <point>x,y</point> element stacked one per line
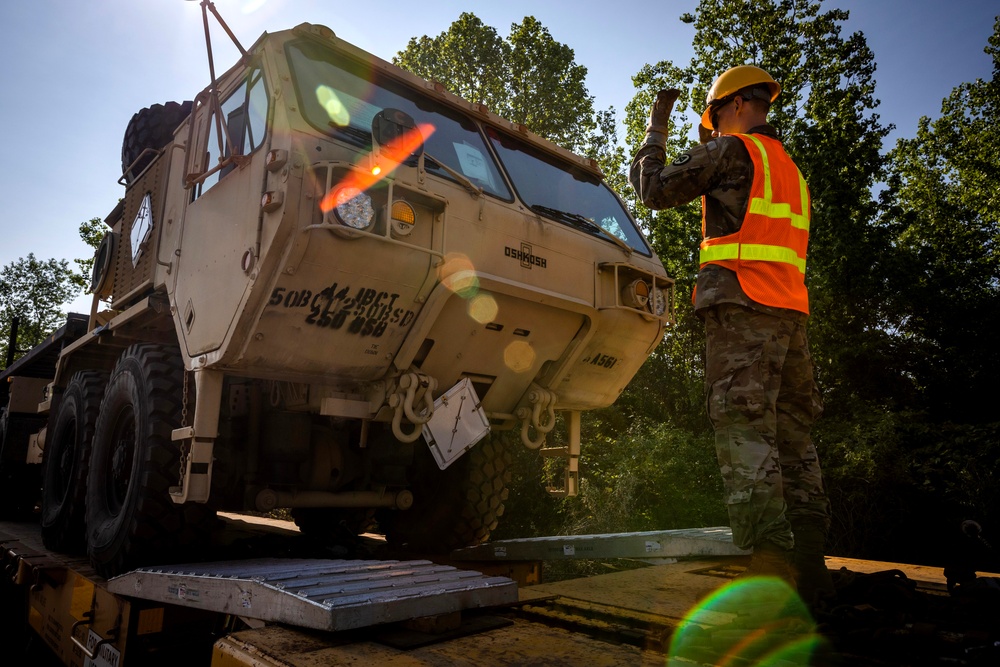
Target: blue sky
<point>75,72</point>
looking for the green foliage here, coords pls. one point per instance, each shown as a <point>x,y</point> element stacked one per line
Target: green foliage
<point>941,205</point>
<point>91,233</point>
<point>33,290</point>
<point>604,147</point>
<point>635,475</point>
<point>510,77</point>
<point>647,477</point>
<point>672,377</point>
<point>901,486</point>
<point>541,68</point>
<point>466,58</point>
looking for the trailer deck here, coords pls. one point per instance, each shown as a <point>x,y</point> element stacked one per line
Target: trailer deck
<point>250,612</point>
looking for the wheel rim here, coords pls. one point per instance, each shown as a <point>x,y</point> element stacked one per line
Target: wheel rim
<point>121,460</point>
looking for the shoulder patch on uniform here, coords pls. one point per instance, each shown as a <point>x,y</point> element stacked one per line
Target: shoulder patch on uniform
<point>681,159</point>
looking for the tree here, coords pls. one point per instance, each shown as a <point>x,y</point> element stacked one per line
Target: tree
<point>33,290</point>
<point>941,206</point>
<point>942,305</point>
<point>91,233</point>
<point>510,77</point>
<point>672,377</point>
<point>467,58</point>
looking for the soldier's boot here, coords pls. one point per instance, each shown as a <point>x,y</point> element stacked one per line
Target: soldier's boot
<point>814,583</point>
<point>769,560</point>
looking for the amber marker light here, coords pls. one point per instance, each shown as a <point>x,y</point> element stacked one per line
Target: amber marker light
<point>403,218</point>
<point>276,159</point>
<point>271,201</point>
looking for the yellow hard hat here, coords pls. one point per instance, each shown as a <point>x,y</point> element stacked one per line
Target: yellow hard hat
<point>733,80</point>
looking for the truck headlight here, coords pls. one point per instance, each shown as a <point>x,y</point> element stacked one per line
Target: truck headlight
<point>659,302</point>
<point>353,208</point>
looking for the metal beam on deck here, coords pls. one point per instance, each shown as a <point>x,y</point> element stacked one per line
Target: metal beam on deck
<point>660,544</point>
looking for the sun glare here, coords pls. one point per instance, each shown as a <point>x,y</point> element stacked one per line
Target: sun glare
<point>250,6</point>
<point>483,308</point>
<point>757,621</point>
<point>335,109</point>
<point>388,159</point>
<point>519,356</point>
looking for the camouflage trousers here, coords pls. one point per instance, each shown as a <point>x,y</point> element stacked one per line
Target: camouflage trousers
<point>762,401</point>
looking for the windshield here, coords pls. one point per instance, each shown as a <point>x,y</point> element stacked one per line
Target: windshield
<point>559,190</point>
<point>342,97</point>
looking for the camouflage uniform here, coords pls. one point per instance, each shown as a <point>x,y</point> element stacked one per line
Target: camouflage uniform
<point>762,397</point>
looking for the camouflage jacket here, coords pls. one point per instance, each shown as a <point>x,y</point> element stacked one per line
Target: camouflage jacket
<point>722,171</point>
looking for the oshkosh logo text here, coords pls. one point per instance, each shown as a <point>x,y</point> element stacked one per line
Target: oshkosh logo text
<point>525,256</point>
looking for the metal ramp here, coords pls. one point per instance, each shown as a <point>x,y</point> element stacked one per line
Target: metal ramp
<point>321,594</point>
<point>658,546</point>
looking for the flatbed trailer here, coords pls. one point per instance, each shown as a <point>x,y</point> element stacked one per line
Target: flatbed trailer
<point>629,616</point>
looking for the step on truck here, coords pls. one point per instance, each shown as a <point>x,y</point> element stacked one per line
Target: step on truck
<point>332,286</point>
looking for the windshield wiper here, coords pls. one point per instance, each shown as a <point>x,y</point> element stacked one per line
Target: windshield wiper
<point>581,222</point>
<point>359,138</point>
<point>458,176</point>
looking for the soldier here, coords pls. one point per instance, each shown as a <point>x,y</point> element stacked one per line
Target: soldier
<point>751,294</point>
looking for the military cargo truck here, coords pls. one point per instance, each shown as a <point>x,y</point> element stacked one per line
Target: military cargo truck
<point>329,285</point>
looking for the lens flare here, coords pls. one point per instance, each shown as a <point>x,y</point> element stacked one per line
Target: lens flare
<point>483,308</point>
<point>519,356</point>
<point>335,109</point>
<point>391,155</point>
<point>459,275</point>
<point>757,621</point>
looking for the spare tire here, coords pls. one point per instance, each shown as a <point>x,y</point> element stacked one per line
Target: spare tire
<point>152,127</point>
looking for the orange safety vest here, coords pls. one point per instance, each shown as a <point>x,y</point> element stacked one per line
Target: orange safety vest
<point>768,253</point>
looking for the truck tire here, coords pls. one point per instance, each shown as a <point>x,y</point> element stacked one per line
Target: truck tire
<point>152,127</point>
<point>452,508</point>
<point>67,459</point>
<point>131,519</point>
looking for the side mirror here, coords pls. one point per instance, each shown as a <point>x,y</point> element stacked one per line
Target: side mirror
<point>396,135</point>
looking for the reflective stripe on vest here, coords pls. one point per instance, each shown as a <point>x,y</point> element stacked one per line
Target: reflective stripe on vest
<point>768,208</point>
<point>752,251</point>
<point>768,252</point>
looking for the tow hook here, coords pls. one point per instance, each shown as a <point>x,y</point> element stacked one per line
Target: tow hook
<point>413,390</point>
<point>539,401</point>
